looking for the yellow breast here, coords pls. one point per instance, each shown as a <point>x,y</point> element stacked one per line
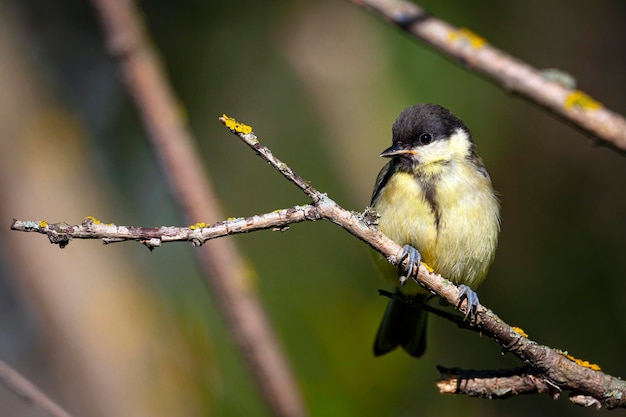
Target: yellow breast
<point>455,228</point>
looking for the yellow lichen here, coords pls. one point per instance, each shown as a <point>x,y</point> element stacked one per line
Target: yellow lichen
<point>581,100</point>
<point>43,224</point>
<point>520,331</point>
<point>583,363</point>
<point>92,220</point>
<point>200,225</point>
<point>467,36</point>
<point>428,267</point>
<point>235,126</point>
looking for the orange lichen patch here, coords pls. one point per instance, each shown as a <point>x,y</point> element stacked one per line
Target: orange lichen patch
<point>581,100</point>
<point>200,225</point>
<point>43,224</point>
<point>235,126</point>
<point>583,363</point>
<point>520,331</point>
<point>467,36</point>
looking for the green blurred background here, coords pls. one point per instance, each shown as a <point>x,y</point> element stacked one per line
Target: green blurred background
<point>321,83</point>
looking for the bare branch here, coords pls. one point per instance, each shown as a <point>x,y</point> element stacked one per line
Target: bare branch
<point>555,367</point>
<point>551,367</point>
<point>494,384</point>
<point>92,228</point>
<point>27,391</point>
<point>573,106</point>
<point>503,384</point>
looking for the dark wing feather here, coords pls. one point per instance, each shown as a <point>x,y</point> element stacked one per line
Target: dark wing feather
<point>381,180</point>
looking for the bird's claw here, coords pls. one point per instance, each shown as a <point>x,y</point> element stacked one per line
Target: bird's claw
<point>415,259</point>
<point>472,301</point>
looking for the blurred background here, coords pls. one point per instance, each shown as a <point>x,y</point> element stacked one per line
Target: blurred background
<point>117,330</point>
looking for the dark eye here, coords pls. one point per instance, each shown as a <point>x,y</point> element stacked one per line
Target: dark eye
<point>425,138</point>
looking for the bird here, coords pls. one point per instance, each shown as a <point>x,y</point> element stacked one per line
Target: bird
<point>435,198</point>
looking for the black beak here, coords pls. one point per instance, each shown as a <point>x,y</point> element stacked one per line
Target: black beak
<point>397,149</point>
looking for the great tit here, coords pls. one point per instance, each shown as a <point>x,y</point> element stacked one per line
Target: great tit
<point>435,198</point>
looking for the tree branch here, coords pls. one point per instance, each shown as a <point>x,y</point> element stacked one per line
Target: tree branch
<point>29,392</point>
<point>575,107</point>
<point>91,228</point>
<point>504,384</point>
<point>494,384</point>
<point>554,368</point>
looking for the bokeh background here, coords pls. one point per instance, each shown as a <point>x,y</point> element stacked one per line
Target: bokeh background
<point>117,330</point>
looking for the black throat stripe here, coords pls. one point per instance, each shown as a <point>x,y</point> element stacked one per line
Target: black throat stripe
<point>427,183</point>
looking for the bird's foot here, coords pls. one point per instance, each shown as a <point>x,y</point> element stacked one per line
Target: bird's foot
<point>472,301</point>
<point>415,258</point>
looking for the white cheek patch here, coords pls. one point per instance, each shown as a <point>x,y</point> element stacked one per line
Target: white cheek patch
<point>460,143</point>
<point>455,147</point>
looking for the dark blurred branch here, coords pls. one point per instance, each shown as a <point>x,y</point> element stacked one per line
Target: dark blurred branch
<point>174,146</point>
<point>579,110</point>
<point>28,392</point>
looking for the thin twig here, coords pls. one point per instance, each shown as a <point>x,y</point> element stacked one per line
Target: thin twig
<point>91,228</point>
<point>29,392</point>
<point>220,260</point>
<point>474,53</point>
<point>500,384</point>
<point>503,384</point>
<point>455,318</point>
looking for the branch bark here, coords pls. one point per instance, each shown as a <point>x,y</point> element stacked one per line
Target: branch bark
<point>573,106</point>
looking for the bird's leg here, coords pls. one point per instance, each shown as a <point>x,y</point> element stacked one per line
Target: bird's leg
<point>415,258</point>
<point>472,301</point>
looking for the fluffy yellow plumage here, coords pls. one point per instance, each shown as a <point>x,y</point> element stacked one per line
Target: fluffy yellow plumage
<point>436,196</point>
